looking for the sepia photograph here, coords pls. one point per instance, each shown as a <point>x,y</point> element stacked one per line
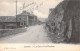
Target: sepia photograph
<point>44,21</point>
<point>40,21</point>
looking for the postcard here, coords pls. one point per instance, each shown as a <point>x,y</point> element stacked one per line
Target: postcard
<point>39,25</point>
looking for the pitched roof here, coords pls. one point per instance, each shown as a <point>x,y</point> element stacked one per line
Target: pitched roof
<point>24,13</point>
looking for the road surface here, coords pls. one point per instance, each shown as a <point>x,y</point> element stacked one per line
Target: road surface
<point>34,34</point>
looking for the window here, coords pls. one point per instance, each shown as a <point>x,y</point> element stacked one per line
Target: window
<point>19,18</point>
<point>21,23</point>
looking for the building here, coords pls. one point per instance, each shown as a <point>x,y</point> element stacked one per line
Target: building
<point>50,10</point>
<point>23,19</point>
<point>26,19</point>
<point>8,22</point>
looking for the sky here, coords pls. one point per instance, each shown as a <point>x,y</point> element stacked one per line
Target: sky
<point>8,7</point>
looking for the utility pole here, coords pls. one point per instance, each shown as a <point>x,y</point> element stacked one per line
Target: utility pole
<point>16,14</point>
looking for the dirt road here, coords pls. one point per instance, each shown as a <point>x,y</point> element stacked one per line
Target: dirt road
<point>34,34</point>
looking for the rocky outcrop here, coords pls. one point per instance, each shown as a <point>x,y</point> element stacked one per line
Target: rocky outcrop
<point>72,12</point>
<point>54,26</point>
<point>62,24</point>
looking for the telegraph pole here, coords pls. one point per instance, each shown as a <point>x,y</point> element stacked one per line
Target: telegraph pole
<point>16,13</point>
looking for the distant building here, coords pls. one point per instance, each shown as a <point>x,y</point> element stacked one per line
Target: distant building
<point>50,10</point>
<point>23,19</point>
<point>26,19</point>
